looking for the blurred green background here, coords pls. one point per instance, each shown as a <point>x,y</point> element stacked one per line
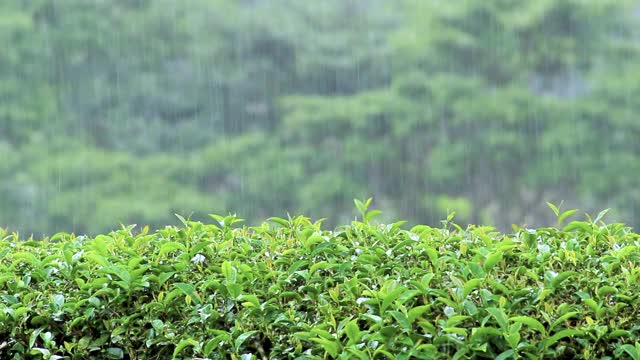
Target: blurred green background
<point>130,111</point>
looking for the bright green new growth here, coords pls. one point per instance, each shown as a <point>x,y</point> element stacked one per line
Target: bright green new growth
<point>289,289</point>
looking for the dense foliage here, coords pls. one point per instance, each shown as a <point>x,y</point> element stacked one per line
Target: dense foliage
<point>130,111</point>
<point>289,289</point>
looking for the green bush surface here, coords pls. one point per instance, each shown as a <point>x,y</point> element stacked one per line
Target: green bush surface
<point>289,289</point>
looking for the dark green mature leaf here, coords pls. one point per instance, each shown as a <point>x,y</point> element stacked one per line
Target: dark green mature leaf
<point>633,351</point>
<point>505,355</point>
<point>115,353</point>
<point>240,340</point>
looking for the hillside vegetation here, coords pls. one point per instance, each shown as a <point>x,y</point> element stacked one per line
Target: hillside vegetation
<point>130,111</point>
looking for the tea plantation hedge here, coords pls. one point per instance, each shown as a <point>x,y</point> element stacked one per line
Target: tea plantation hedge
<point>289,289</point>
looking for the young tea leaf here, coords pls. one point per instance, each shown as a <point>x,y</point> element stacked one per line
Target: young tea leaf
<point>556,281</point>
<point>492,260</point>
<point>530,322</point>
<point>183,345</point>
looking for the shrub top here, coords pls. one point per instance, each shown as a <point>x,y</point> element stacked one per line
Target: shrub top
<point>289,289</point>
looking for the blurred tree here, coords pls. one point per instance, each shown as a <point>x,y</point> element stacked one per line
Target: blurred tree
<point>28,101</point>
<point>130,111</point>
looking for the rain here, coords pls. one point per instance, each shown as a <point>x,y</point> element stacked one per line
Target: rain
<point>328,179</point>
<point>116,113</point>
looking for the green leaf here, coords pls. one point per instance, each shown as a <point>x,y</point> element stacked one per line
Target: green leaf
<point>171,246</point>
<point>455,320</point>
<point>433,255</point>
<point>565,215</point>
<point>251,300</point>
<point>618,333</point>
<point>234,290</point>
<point>221,336</point>
<point>330,346</point>
<point>471,285</point>
<point>500,316</point>
<point>582,226</point>
<point>26,257</point>
<point>601,215</point>
<point>99,244</point>
<point>380,350</point>
<point>505,355</point>
<point>98,259</point>
<point>229,272</point>
<point>115,353</point>
<point>279,221</point>
<point>553,208</point>
<point>353,331</point>
<point>358,353</point>
<point>210,346</point>
<point>371,214</point>
<point>492,260</point>
<point>182,220</point>
<point>242,338</point>
<point>34,336</point>
<point>483,332</point>
<point>188,290</point>
<point>197,247</point>
<point>416,312</point>
<point>120,272</point>
<point>556,281</point>
<point>607,290</point>
<point>559,336</point>
<point>184,344</point>
<point>391,297</point>
<point>631,350</point>
<point>58,301</point>
<point>297,265</point>
<point>401,319</point>
<point>513,337</point>
<point>362,208</point>
<point>592,304</point>
<point>322,333</point>
<point>318,265</point>
<point>163,277</point>
<point>19,312</point>
<point>563,318</point>
<point>530,322</point>
<point>456,330</point>
<point>42,351</point>
<point>157,324</point>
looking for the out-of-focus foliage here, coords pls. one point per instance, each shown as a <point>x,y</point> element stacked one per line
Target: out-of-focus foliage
<point>131,111</point>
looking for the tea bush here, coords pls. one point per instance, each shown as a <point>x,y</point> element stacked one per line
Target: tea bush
<point>289,289</point>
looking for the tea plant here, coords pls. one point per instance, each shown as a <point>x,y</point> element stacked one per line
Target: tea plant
<point>288,289</point>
